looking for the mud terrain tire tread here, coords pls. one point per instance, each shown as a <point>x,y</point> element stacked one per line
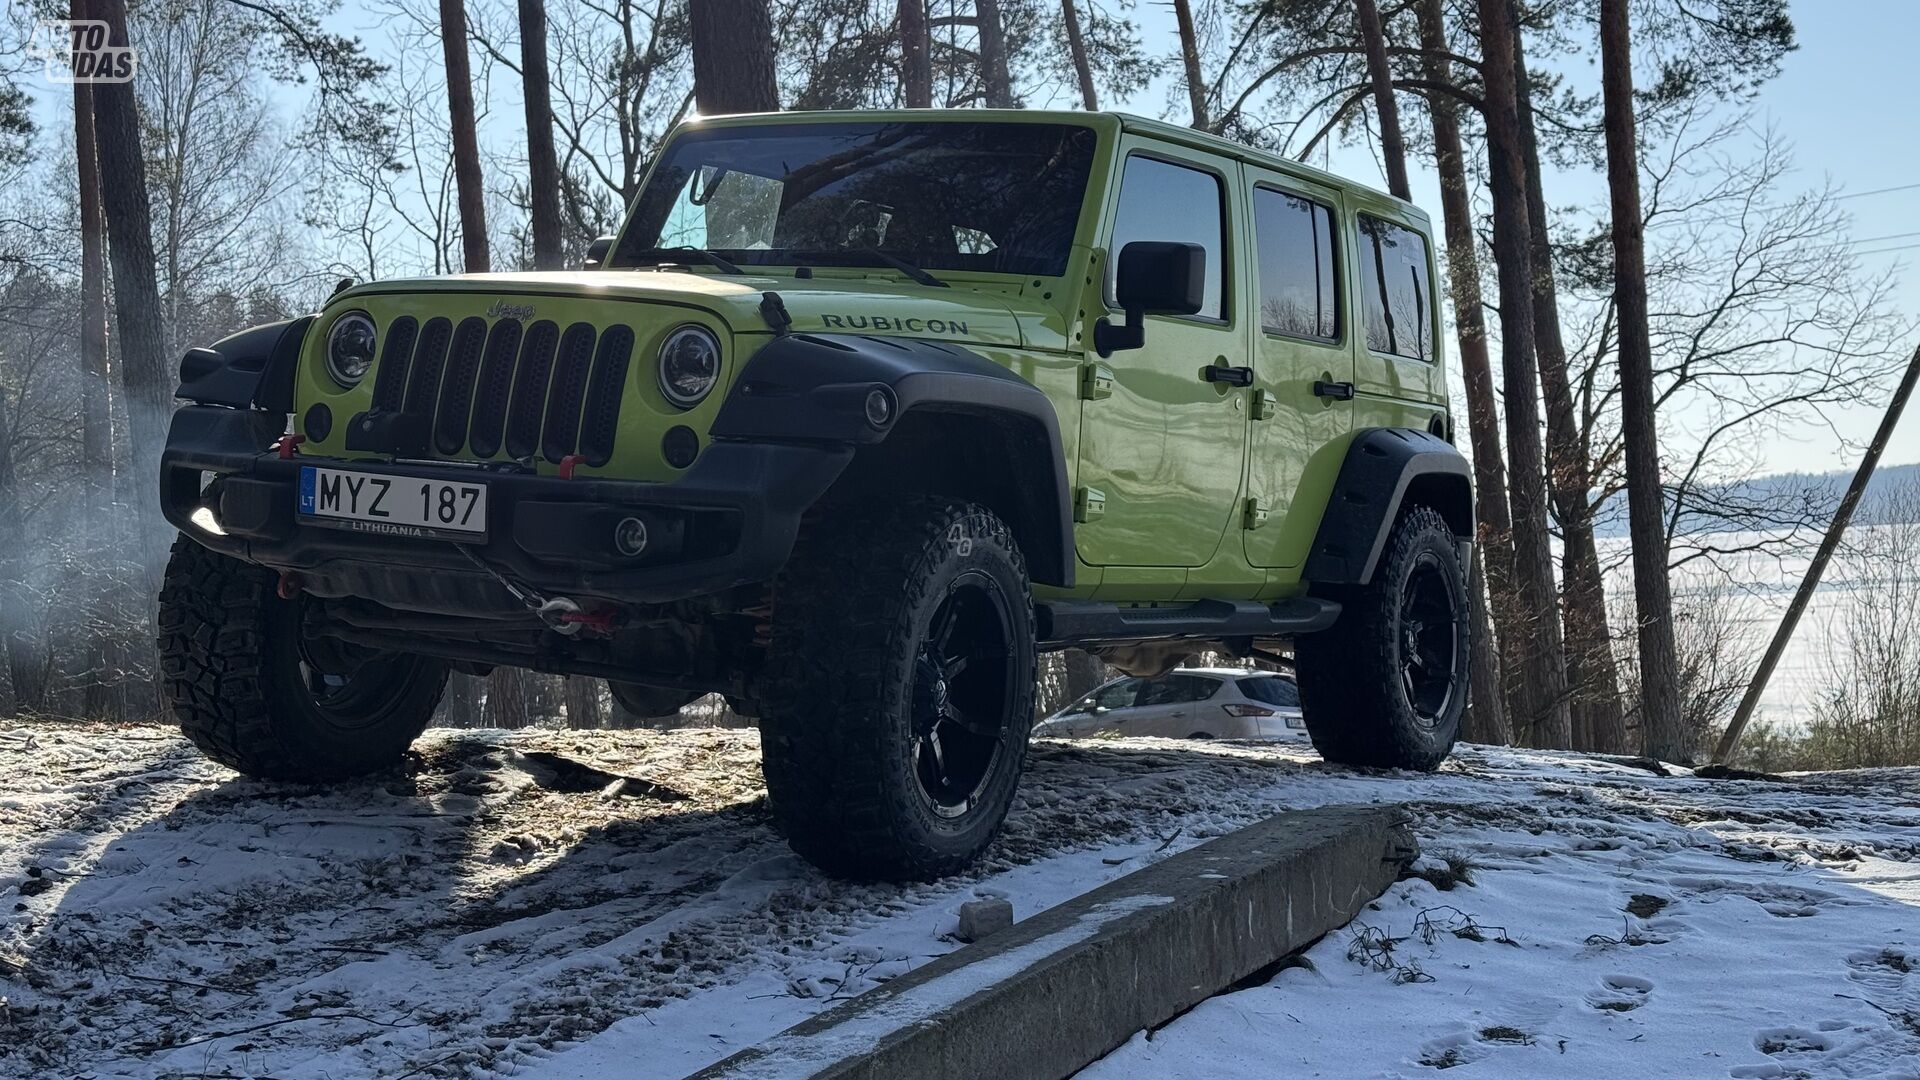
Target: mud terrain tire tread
<point>1348,674</point>
<point>837,669</point>
<point>216,673</point>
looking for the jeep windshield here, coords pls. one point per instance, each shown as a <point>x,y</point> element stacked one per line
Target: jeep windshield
<point>992,197</point>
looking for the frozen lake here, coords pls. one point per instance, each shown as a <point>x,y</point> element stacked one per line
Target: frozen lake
<point>1754,589</point>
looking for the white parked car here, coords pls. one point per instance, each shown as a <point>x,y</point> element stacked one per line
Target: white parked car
<point>1187,703</point>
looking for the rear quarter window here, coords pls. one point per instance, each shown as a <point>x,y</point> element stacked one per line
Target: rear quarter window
<point>1395,289</point>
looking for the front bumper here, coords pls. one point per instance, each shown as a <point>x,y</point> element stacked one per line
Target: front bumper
<point>730,520</point>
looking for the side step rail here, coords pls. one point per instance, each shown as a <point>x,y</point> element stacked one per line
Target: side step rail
<point>1092,622</point>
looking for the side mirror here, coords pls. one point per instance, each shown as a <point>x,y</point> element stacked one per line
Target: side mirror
<point>597,253</point>
<point>1153,277</point>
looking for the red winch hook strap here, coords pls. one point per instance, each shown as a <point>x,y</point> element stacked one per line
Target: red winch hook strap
<point>285,445</point>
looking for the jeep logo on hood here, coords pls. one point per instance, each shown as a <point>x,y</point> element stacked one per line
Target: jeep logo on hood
<point>503,310</point>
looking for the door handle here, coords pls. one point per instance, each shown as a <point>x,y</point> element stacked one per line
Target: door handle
<point>1232,376</point>
<point>1338,391</point>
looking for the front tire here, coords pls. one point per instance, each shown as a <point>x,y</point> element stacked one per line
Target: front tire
<point>255,694</point>
<point>899,689</point>
<point>1386,684</point>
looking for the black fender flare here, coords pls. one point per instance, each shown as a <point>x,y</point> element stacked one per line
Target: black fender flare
<point>252,369</point>
<point>1384,469</point>
<point>815,388</point>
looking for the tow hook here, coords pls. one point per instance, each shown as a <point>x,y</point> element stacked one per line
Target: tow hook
<point>561,614</point>
<point>566,617</point>
<point>289,586</point>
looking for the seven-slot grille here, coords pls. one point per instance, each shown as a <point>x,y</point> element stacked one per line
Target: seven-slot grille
<point>536,389</point>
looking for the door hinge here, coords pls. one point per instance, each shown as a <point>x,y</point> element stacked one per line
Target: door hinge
<point>1254,515</point>
<point>1265,405</point>
<point>1089,504</point>
<point>1096,381</point>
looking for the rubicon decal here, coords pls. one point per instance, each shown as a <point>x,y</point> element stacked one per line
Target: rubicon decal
<point>883,322</point>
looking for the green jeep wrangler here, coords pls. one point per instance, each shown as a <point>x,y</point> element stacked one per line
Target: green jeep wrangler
<point>857,414</point>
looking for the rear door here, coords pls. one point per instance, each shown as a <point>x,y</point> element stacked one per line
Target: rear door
<point>1301,355</point>
<point>1167,704</point>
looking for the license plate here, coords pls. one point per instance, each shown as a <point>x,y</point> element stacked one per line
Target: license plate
<point>392,505</point>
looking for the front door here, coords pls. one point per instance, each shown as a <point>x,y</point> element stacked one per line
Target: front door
<point>1161,452</point>
<point>1303,362</point>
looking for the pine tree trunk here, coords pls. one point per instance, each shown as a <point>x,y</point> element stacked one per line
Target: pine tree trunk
<point>583,703</point>
<point>916,54</point>
<point>1393,146</point>
<point>1494,528</point>
<point>733,69</point>
<point>1190,60</point>
<point>1539,672</point>
<point>1077,47</point>
<point>1662,734</point>
<point>145,372</point>
<point>466,141</point>
<point>543,168</point>
<point>1486,716</point>
<point>995,80</point>
<point>460,705</point>
<point>26,667</point>
<point>507,698</point>
<point>1593,676</point>
<point>96,419</point>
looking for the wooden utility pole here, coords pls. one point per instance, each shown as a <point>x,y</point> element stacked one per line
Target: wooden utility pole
<point>1818,567</point>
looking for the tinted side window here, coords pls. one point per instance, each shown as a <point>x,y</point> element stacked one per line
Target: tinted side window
<point>1160,201</point>
<point>1294,237</point>
<point>1281,692</point>
<point>1176,689</point>
<point>1393,275</point>
<point>1118,696</point>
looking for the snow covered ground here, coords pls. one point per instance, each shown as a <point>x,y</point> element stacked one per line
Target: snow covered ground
<point>556,904</point>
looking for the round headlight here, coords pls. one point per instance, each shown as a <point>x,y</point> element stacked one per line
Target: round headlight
<point>350,348</point>
<point>689,365</point>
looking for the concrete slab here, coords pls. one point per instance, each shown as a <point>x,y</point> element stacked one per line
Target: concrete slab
<point>1041,1000</point>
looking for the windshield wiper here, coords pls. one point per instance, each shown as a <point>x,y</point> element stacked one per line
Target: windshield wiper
<point>657,256</point>
<point>903,266</point>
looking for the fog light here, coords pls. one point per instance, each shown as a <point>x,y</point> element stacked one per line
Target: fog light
<point>630,537</point>
<point>204,518</point>
<point>879,407</point>
<point>319,422</point>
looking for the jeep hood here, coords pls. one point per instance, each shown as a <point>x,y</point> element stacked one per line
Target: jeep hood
<point>880,304</point>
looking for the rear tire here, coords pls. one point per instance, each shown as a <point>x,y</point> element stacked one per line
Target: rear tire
<point>1386,684</point>
<point>899,688</point>
<point>253,694</point>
